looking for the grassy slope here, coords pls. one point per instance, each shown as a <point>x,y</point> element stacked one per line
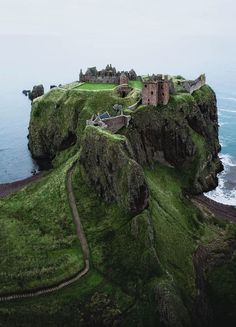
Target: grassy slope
<point>97,86</point>
<point>38,244</point>
<point>136,84</point>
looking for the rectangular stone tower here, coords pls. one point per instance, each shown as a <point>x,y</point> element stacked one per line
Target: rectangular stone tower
<point>150,93</point>
<point>156,92</point>
<point>163,92</point>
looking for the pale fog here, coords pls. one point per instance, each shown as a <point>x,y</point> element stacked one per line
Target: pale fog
<point>48,41</point>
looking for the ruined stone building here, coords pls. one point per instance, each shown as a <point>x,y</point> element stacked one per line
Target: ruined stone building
<point>112,124</point>
<point>191,86</point>
<point>107,75</point>
<point>156,92</point>
<point>157,89</point>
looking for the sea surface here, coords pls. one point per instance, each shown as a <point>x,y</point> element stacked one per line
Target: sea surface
<point>226,191</point>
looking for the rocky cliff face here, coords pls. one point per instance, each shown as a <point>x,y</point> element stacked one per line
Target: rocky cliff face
<point>108,165</point>
<point>183,135</point>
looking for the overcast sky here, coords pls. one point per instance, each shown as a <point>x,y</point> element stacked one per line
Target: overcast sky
<point>150,35</point>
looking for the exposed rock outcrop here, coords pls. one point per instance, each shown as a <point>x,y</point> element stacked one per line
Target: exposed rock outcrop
<point>209,262</point>
<point>37,91</point>
<point>184,135</point>
<point>109,167</point>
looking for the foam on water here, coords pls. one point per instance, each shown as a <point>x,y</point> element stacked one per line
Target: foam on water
<point>228,110</point>
<point>222,193</point>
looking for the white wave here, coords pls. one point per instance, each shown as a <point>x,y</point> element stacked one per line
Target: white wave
<point>223,124</point>
<point>228,110</point>
<point>229,98</point>
<point>228,160</point>
<point>221,194</point>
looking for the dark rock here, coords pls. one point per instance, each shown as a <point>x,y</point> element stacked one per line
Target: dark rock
<point>108,165</point>
<point>184,136</point>
<point>38,90</point>
<point>52,86</point>
<point>26,92</point>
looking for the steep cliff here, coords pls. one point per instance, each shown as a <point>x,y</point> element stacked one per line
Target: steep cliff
<point>108,165</point>
<point>183,134</point>
<point>156,258</point>
<point>59,117</point>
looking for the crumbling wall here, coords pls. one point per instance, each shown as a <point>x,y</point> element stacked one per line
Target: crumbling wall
<point>191,86</point>
<point>114,124</point>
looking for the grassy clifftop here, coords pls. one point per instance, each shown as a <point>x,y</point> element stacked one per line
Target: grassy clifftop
<point>59,118</point>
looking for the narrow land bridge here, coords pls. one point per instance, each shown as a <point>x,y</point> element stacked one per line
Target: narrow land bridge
<point>84,246</point>
<point>221,211</point>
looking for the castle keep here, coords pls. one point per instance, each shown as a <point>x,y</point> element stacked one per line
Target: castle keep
<point>156,92</point>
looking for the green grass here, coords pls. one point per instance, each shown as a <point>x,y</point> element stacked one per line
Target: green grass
<point>38,242</point>
<point>136,84</point>
<point>93,299</point>
<point>178,224</point>
<point>97,86</point>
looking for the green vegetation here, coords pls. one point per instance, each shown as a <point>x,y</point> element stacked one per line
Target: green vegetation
<point>38,243</point>
<point>97,86</point>
<point>92,300</point>
<point>142,268</point>
<point>136,84</point>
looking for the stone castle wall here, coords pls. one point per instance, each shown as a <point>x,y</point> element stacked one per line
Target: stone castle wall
<point>156,92</point>
<point>114,124</point>
<point>107,75</point>
<point>150,93</point>
<point>100,79</point>
<point>191,86</point>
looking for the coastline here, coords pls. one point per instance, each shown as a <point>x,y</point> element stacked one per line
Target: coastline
<point>9,188</point>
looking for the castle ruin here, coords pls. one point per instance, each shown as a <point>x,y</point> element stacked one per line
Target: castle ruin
<point>156,92</point>
<point>107,75</point>
<point>112,124</point>
<point>191,86</point>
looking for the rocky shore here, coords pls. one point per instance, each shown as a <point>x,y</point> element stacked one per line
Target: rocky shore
<point>9,188</point>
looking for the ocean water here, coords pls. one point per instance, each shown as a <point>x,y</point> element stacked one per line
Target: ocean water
<point>226,191</point>
<point>15,159</point>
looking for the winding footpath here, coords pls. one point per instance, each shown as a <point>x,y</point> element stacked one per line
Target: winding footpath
<point>84,246</point>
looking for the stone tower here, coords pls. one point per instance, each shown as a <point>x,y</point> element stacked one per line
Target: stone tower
<point>156,92</point>
<point>124,79</point>
<point>150,93</point>
<point>163,91</point>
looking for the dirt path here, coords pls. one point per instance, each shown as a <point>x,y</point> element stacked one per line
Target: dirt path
<point>220,210</point>
<point>84,246</point>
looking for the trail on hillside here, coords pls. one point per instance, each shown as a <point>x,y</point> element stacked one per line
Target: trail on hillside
<point>84,245</point>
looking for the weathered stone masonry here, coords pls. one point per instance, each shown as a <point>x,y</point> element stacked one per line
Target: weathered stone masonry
<point>155,92</point>
<point>107,75</point>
